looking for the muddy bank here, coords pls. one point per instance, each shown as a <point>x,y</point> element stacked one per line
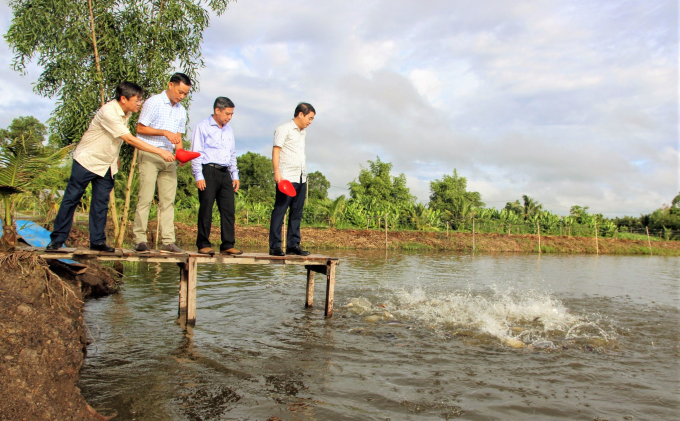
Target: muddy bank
<point>44,338</point>
<point>329,238</point>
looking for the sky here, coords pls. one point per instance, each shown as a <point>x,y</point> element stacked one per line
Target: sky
<point>570,102</point>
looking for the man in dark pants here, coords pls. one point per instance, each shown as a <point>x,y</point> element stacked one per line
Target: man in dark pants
<point>288,157</point>
<point>95,161</point>
<point>216,176</point>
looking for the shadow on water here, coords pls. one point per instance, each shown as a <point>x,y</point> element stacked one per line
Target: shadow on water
<point>414,336</point>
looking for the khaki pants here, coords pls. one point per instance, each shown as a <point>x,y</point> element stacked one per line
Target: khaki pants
<point>153,169</point>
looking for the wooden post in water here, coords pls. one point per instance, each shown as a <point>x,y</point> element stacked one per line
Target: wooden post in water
<point>649,241</point>
<point>192,278</point>
<point>330,287</point>
<point>597,243</point>
<point>183,284</point>
<point>309,302</point>
<point>538,227</point>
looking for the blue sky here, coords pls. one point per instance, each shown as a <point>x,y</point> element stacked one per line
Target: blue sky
<point>570,102</point>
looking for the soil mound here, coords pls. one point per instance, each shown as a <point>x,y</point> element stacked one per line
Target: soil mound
<point>43,342</point>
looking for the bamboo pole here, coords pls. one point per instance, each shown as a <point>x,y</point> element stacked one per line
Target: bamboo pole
<point>473,235</point>
<point>158,221</point>
<point>649,241</point>
<point>538,226</point>
<point>283,237</point>
<point>385,232</point>
<point>597,244</point>
<point>126,208</point>
<point>447,229</point>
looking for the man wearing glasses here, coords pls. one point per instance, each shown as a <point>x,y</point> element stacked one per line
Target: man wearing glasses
<point>95,161</point>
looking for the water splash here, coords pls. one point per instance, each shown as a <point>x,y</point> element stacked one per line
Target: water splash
<point>514,318</point>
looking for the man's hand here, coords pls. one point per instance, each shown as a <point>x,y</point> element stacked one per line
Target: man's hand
<point>277,176</point>
<point>200,184</point>
<point>167,156</point>
<point>174,138</point>
<point>235,184</point>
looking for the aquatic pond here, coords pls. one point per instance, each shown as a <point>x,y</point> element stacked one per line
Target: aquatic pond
<point>415,336</point>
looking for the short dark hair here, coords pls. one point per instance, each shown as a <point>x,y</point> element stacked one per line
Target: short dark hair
<point>180,78</point>
<point>223,102</point>
<point>128,90</point>
<point>304,108</point>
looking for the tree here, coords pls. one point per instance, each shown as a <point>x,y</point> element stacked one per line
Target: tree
<point>21,161</point>
<point>29,127</point>
<point>515,207</point>
<point>450,196</point>
<point>376,189</point>
<point>318,186</point>
<point>256,175</point>
<point>531,207</point>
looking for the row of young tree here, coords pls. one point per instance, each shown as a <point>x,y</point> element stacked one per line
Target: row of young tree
<point>376,197</point>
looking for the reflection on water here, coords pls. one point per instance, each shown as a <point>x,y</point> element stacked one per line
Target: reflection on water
<point>414,336</point>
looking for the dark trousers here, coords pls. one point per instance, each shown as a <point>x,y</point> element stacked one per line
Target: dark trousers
<point>99,205</point>
<point>218,187</point>
<point>281,205</point>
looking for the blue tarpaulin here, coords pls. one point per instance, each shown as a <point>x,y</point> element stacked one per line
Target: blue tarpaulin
<point>35,236</point>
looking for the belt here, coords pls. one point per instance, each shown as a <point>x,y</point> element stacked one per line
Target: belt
<point>218,167</point>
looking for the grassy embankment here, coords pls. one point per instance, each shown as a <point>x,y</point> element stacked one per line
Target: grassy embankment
<point>317,239</point>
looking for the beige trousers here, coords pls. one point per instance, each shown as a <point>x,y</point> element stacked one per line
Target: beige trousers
<point>154,170</point>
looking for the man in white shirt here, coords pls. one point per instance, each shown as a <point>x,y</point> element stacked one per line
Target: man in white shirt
<point>95,161</point>
<point>161,124</point>
<point>288,157</point>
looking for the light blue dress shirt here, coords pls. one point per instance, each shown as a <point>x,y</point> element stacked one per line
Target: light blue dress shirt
<point>216,146</point>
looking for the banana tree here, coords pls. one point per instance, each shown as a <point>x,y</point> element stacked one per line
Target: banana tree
<point>21,161</point>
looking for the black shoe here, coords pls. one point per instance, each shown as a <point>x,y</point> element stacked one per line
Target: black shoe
<point>276,252</point>
<point>54,246</point>
<point>102,247</point>
<point>297,250</point>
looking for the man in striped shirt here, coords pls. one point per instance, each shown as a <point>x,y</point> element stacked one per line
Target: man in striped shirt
<point>161,124</point>
<point>288,157</point>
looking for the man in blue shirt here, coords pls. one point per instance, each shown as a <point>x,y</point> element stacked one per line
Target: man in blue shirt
<point>216,176</point>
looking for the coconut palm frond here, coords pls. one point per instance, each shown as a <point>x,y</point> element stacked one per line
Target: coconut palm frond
<point>23,160</point>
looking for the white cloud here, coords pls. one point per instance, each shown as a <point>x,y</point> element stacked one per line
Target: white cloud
<point>569,102</point>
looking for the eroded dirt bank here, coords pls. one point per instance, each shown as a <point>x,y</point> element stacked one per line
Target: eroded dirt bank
<point>44,338</point>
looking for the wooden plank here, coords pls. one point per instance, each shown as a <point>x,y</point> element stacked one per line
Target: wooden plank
<point>183,289</point>
<point>192,277</point>
<point>330,288</point>
<point>309,302</point>
<point>322,269</point>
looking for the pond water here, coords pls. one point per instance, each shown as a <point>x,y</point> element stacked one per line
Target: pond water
<point>414,336</point>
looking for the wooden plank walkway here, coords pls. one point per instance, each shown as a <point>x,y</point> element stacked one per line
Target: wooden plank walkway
<point>188,264</point>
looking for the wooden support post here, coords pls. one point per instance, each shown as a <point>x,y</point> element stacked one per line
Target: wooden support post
<point>538,226</point>
<point>385,232</point>
<point>183,283</point>
<point>447,229</point>
<point>330,287</point>
<point>597,243</point>
<point>649,241</point>
<point>192,277</point>
<point>309,302</point>
<point>284,234</point>
<point>473,235</point>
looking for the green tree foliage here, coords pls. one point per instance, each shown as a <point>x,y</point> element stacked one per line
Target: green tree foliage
<point>318,186</point>
<point>21,161</point>
<point>376,189</point>
<point>531,206</point>
<point>28,127</point>
<point>256,175</point>
<point>87,47</point>
<point>515,207</point>
<point>450,196</point>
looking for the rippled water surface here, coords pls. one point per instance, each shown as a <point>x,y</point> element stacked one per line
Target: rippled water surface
<point>415,336</point>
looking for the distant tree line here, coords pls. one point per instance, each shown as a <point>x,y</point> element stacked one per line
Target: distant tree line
<point>376,197</point>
